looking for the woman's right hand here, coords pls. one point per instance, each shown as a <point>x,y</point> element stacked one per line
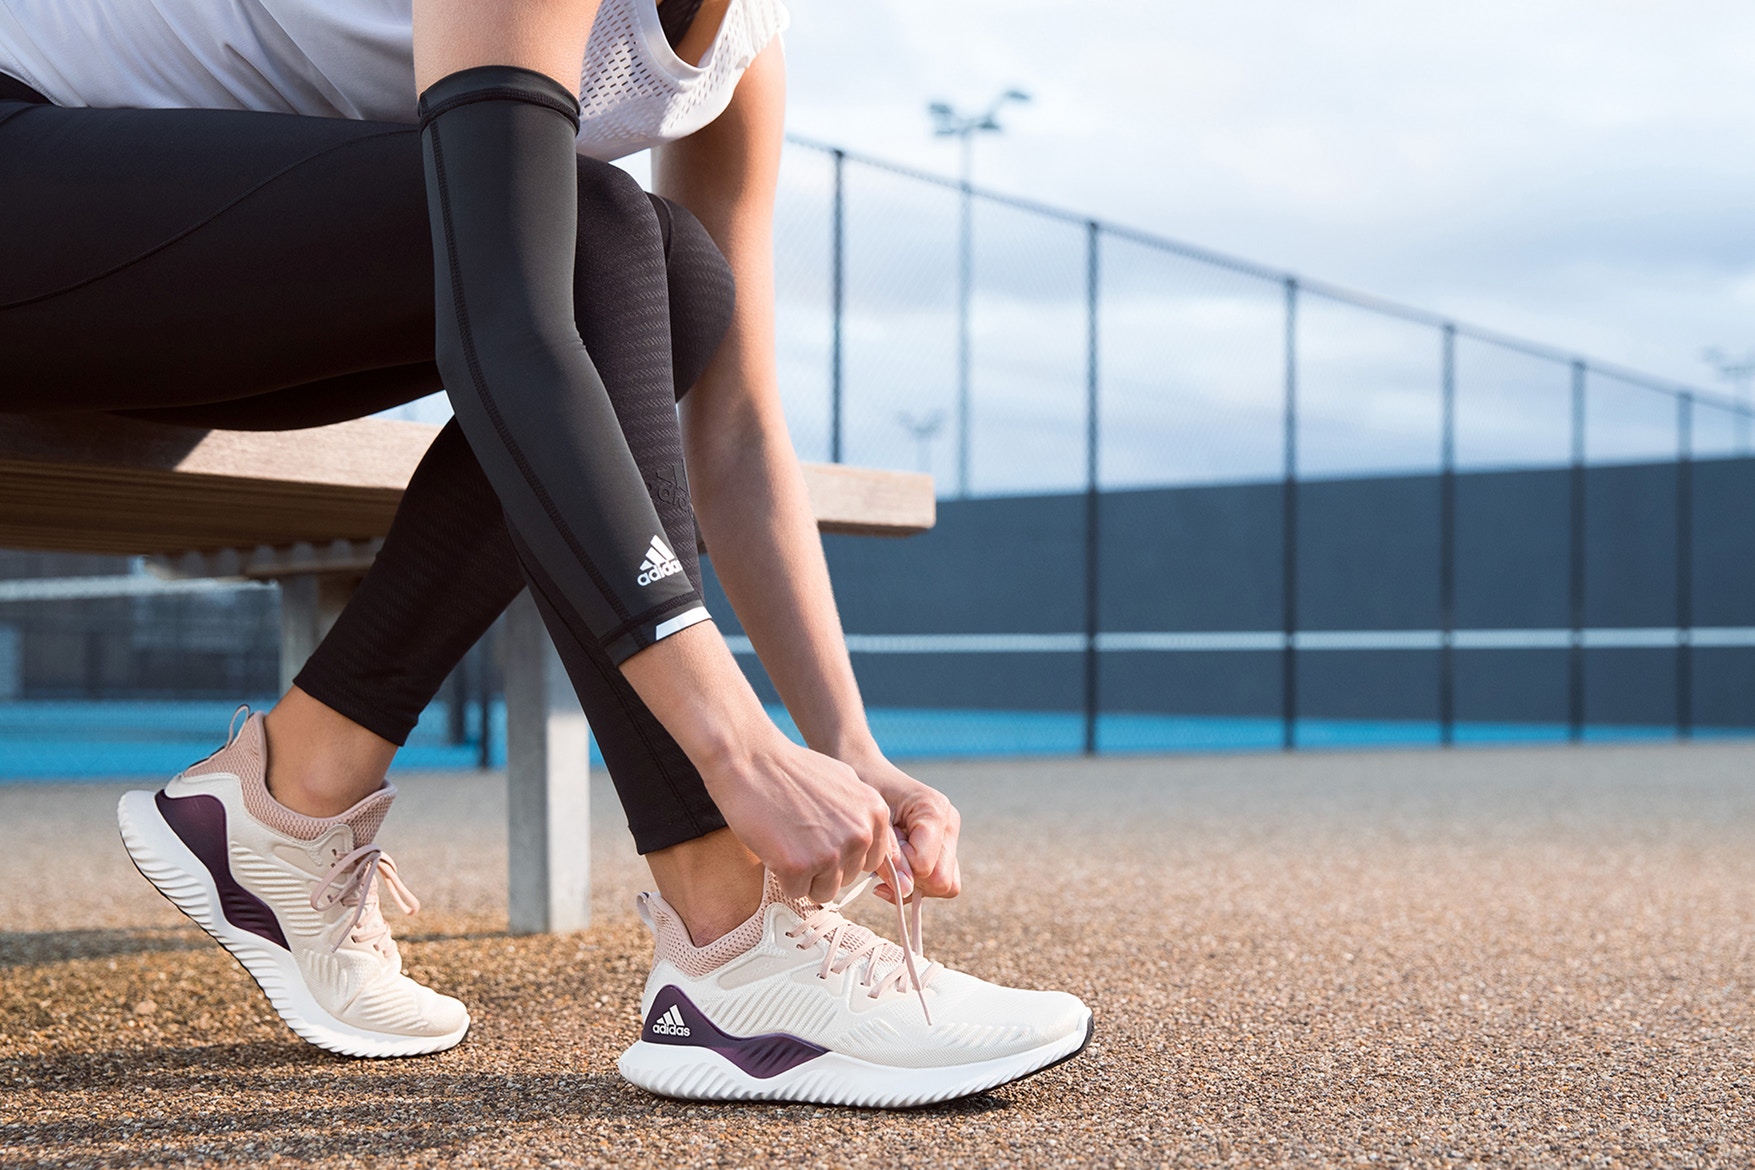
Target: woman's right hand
<point>811,820</point>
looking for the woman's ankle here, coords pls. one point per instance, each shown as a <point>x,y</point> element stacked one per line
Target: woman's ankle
<point>712,882</point>
<point>319,762</point>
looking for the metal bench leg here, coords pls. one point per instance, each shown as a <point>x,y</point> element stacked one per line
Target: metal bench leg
<point>309,605</point>
<point>548,789</point>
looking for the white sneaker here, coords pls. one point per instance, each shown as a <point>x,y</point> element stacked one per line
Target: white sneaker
<point>798,1004</point>
<point>293,898</point>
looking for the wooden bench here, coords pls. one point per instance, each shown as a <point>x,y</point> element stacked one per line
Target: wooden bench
<point>309,509</point>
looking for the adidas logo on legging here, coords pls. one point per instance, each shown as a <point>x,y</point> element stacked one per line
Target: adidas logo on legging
<point>660,563</point>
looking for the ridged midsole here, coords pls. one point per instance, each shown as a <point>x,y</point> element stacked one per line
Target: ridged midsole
<point>681,1070</point>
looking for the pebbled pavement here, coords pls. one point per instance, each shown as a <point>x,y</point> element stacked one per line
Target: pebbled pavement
<point>1531,957</point>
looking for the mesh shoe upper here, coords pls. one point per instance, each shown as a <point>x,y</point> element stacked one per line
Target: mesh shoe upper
<point>770,975</point>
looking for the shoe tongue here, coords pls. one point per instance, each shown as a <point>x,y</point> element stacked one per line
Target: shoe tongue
<point>853,938</point>
<point>771,894</point>
<point>803,907</point>
<point>367,817</point>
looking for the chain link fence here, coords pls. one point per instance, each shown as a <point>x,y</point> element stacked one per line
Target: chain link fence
<point>1187,503</point>
<point>1191,502</point>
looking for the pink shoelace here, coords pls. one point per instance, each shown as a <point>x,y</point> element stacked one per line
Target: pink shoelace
<point>826,923</point>
<point>349,881</point>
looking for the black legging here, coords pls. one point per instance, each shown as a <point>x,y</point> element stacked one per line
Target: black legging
<point>261,271</point>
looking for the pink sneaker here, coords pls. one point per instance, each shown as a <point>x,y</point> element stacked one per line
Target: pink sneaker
<point>293,898</point>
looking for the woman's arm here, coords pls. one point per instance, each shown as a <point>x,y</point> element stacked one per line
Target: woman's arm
<point>748,490</point>
<point>497,124</point>
<point>547,36</point>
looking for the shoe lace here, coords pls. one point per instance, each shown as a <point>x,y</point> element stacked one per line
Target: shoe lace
<point>846,947</point>
<point>349,882</point>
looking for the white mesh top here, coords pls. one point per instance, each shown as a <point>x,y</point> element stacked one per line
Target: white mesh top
<point>355,59</point>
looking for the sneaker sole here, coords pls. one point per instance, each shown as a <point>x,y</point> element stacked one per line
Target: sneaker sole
<point>162,859</point>
<point>700,1074</point>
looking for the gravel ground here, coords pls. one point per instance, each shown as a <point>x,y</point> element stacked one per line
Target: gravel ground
<point>1484,957</point>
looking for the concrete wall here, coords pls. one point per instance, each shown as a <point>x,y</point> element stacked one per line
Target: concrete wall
<point>1209,559</point>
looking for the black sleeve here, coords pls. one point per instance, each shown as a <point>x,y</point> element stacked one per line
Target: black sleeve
<point>502,194</point>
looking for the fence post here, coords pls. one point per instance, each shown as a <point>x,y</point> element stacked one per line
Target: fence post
<point>457,704</point>
<point>1093,501</point>
<point>486,681</point>
<point>837,305</point>
<point>1575,565</point>
<point>1447,545</point>
<point>1684,565</point>
<point>965,295</point>
<point>1289,531</point>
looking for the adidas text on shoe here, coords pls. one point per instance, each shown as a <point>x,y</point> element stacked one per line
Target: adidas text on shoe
<point>293,898</point>
<point>799,1004</point>
<point>671,1023</point>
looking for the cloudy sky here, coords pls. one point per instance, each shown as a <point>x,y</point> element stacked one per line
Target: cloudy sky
<point>1576,172</point>
<point>1581,174</point>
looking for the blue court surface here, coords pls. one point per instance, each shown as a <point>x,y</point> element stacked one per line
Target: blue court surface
<point>77,740</point>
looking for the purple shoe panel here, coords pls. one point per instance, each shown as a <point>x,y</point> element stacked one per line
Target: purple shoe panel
<point>674,1019</point>
<point>199,821</point>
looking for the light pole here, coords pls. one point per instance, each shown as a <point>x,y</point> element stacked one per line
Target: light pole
<point>924,430</point>
<point>949,123</point>
<point>1740,373</point>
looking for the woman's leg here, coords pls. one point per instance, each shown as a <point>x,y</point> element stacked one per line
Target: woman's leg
<point>447,569</point>
<point>196,258</point>
<point>159,258</point>
<point>188,258</point>
<point>299,252</point>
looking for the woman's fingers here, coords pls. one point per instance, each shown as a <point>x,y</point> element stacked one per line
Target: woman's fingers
<point>817,824</point>
<point>925,840</point>
<point>927,821</point>
<point>933,825</point>
<point>824,887</point>
<point>903,862</point>
<point>810,819</point>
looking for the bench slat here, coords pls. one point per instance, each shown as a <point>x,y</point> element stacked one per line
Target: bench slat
<point>364,453</point>
<point>96,483</point>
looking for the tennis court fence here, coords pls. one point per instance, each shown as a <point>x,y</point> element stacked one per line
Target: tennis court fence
<point>1187,502</point>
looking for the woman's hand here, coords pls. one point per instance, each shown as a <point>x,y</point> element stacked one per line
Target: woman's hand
<point>927,824</point>
<point>808,817</point>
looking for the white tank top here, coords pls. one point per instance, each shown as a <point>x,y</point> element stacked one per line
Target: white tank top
<point>355,59</point>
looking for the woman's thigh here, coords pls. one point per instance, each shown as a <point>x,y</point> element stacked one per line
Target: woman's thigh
<point>165,258</point>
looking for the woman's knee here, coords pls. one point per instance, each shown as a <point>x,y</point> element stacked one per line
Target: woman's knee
<point>703,292</point>
<point>619,234</point>
<point>622,228</point>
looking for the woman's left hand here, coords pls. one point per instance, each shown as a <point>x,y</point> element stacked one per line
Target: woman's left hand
<point>927,824</point>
